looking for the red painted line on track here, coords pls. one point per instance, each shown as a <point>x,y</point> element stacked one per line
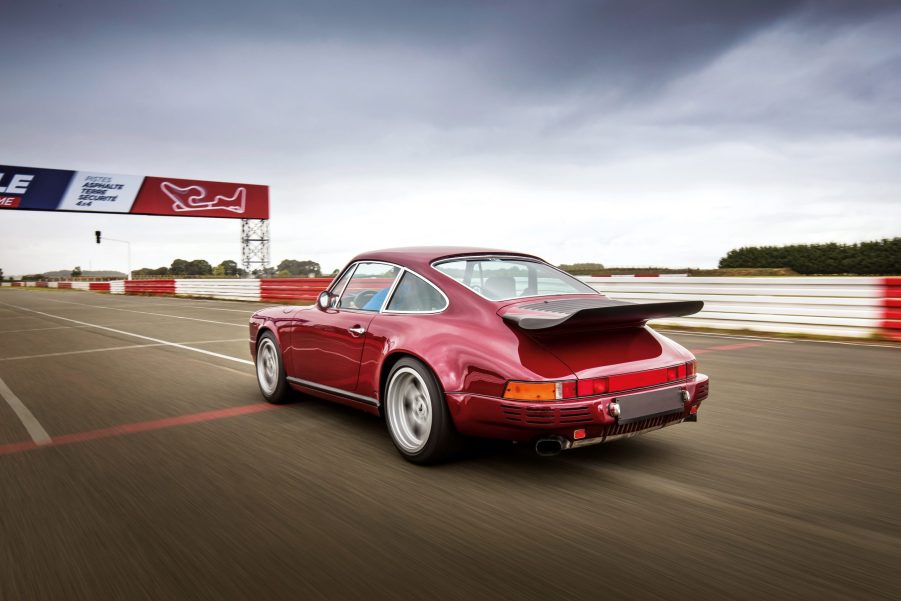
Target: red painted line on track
<point>158,424</point>
<point>18,447</point>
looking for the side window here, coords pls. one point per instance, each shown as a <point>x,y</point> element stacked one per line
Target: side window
<point>368,287</point>
<point>338,288</point>
<point>415,294</point>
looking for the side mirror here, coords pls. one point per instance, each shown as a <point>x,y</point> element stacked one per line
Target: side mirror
<point>324,301</point>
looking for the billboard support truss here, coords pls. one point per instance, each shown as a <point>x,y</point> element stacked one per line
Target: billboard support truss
<point>254,245</point>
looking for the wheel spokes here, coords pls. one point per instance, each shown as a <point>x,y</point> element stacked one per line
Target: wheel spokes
<point>267,366</point>
<point>409,410</point>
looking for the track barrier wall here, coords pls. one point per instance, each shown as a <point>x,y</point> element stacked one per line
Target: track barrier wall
<point>150,286</point>
<point>891,304</point>
<point>278,289</point>
<point>855,307</point>
<point>224,289</point>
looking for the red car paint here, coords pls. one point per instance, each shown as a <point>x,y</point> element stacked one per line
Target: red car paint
<point>473,352</point>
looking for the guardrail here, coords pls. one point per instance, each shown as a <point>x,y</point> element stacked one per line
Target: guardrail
<point>891,305</point>
<point>228,289</point>
<point>855,307</point>
<point>274,290</point>
<point>277,289</point>
<point>149,286</point>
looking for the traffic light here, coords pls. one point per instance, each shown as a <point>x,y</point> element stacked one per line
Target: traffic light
<point>97,233</point>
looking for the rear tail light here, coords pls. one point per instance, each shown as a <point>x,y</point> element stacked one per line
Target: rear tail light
<point>570,389</point>
<point>676,372</point>
<point>593,386</point>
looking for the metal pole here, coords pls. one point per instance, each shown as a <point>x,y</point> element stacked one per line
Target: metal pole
<point>128,250</point>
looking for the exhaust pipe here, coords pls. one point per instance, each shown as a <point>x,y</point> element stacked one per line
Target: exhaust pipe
<point>550,446</point>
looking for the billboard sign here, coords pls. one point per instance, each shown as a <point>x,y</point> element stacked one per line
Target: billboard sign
<point>36,189</point>
<point>162,196</point>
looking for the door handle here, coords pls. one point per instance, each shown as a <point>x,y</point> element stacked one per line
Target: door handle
<point>357,330</point>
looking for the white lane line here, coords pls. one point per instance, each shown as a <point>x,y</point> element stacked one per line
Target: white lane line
<point>221,323</point>
<point>140,336</point>
<point>244,311</point>
<point>113,348</point>
<point>228,369</point>
<point>19,317</point>
<point>39,329</point>
<point>197,303</point>
<point>182,303</point>
<point>176,302</point>
<point>35,429</point>
<point>163,300</point>
<point>217,340</point>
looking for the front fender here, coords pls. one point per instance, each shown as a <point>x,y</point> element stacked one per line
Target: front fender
<point>273,320</point>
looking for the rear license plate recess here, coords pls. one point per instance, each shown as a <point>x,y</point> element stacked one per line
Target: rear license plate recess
<point>644,405</point>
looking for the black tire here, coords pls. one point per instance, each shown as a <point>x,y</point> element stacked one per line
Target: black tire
<point>442,440</point>
<point>271,377</point>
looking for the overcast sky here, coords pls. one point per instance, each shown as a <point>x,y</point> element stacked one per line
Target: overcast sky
<point>629,133</point>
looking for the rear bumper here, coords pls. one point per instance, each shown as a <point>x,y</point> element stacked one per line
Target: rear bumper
<point>493,417</point>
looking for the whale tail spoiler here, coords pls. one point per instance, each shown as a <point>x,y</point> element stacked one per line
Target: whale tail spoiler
<point>592,314</point>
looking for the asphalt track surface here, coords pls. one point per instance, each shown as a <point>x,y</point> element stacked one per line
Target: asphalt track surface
<point>137,462</point>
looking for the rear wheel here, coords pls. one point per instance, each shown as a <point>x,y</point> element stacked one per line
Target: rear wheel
<point>417,416</point>
<point>271,370</point>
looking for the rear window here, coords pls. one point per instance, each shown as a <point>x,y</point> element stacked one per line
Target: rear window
<point>498,278</point>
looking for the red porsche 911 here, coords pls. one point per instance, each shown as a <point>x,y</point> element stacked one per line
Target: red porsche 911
<point>448,343</point>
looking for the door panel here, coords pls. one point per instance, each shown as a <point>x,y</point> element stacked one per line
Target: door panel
<point>326,352</point>
<point>328,345</point>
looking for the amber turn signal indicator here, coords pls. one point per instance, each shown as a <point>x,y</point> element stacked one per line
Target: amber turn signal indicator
<point>531,391</point>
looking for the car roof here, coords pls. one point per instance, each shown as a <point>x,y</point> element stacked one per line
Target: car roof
<point>425,255</point>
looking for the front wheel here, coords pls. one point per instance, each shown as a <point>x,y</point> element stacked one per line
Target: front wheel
<point>271,370</point>
<point>417,416</point>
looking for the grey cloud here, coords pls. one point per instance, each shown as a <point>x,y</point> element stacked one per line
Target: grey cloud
<point>613,100</point>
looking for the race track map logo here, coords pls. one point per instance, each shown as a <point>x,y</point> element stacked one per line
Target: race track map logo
<point>194,198</point>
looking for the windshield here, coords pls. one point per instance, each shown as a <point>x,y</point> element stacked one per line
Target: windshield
<point>498,278</point>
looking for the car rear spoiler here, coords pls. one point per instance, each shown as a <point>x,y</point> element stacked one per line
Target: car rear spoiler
<point>590,314</point>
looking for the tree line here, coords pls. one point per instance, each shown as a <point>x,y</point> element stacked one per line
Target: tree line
<point>876,257</point>
<point>229,268</point>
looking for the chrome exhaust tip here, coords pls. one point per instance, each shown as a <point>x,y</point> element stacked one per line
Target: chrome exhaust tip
<point>550,446</point>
